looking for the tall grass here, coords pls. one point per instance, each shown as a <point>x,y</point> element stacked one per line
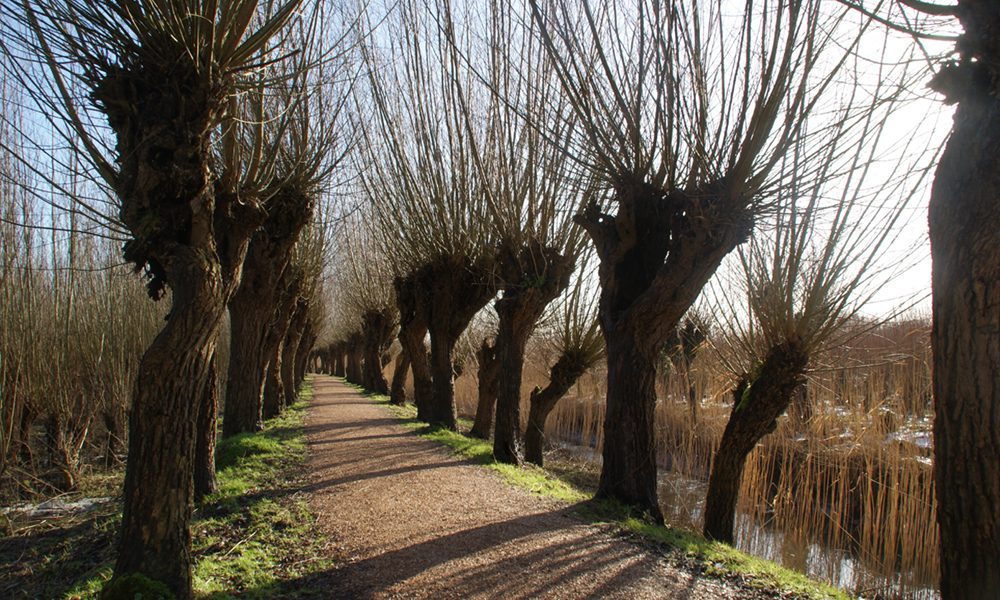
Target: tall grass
<point>848,468</point>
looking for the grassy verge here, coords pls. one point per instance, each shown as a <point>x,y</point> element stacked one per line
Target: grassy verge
<point>254,538</point>
<point>711,558</point>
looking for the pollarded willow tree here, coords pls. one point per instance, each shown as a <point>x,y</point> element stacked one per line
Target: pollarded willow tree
<point>804,281</point>
<point>310,260</point>
<point>577,344</point>
<point>285,149</point>
<point>298,287</point>
<point>364,277</point>
<point>515,120</point>
<point>161,73</point>
<point>684,112</point>
<point>416,169</point>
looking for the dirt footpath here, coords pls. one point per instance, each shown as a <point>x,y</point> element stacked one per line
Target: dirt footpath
<point>411,520</point>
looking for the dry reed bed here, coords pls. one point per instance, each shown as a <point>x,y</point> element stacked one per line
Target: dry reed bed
<point>844,468</point>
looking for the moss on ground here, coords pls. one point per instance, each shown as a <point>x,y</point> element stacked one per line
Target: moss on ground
<point>711,558</point>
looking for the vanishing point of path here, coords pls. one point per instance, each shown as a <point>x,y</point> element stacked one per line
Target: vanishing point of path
<point>409,519</point>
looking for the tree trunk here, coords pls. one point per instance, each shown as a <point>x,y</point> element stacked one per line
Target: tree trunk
<point>456,288</point>
<point>517,320</point>
<point>249,322</point>
<point>565,373</point>
<point>339,364</point>
<point>208,426</point>
<point>656,254</point>
<point>354,371</point>
<point>547,273</point>
<point>628,473</point>
<point>965,250</point>
<point>376,327</point>
<point>60,455</point>
<point>189,236</point>
<point>489,372</point>
<point>159,476</point>
<point>397,393</point>
<point>115,439</point>
<point>757,405</point>
<point>441,410</point>
<point>289,364</point>
<point>272,385</point>
<point>412,331</point>
<point>304,353</point>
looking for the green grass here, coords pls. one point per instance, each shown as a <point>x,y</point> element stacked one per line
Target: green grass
<point>255,537</point>
<point>711,558</point>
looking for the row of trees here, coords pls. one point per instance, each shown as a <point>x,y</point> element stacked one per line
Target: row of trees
<point>215,130</point>
<point>496,143</point>
<point>672,137</point>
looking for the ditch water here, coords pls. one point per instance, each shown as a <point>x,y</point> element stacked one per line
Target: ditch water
<point>682,501</point>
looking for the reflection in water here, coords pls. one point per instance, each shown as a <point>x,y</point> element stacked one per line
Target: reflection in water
<point>682,500</point>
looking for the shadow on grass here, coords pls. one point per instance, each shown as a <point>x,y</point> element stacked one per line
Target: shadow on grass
<point>47,560</point>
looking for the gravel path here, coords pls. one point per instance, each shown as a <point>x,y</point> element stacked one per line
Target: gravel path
<point>408,519</point>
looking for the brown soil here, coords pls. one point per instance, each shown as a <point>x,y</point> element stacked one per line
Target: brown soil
<point>411,520</point>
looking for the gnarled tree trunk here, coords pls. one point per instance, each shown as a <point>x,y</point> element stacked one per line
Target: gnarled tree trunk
<point>193,239</point>
<point>539,274</point>
<point>376,328</point>
<point>249,321</point>
<point>457,288</point>
<point>159,480</point>
<point>757,404</point>
<point>565,373</point>
<point>397,393</point>
<point>628,472</point>
<point>273,390</point>
<point>489,372</point>
<point>263,318</point>
<point>355,356</point>
<point>965,250</point>
<point>656,254</point>
<point>339,354</point>
<point>304,353</point>
<point>412,330</point>
<point>289,357</point>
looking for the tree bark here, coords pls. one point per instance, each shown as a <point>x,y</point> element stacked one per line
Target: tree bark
<point>159,479</point>
<point>305,352</point>
<point>192,238</point>
<point>489,372</point>
<point>397,393</point>
<point>273,390</point>
<point>376,328</point>
<point>412,331</point>
<point>456,289</point>
<point>656,254</point>
<point>339,352</point>
<point>628,473</point>
<point>249,322</point>
<point>261,307</point>
<point>536,275</point>
<point>208,426</point>
<point>964,220</point>
<point>441,410</point>
<point>564,375</point>
<point>757,405</point>
<point>115,438</point>
<point>355,356</point>
<point>289,364</point>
